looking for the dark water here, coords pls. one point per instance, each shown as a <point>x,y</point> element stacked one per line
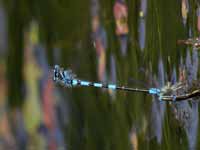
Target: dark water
<point>85,37</point>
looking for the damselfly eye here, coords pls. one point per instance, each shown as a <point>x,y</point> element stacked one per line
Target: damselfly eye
<point>56,73</point>
<point>55,77</point>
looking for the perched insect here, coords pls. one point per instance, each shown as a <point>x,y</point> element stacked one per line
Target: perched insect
<point>68,79</point>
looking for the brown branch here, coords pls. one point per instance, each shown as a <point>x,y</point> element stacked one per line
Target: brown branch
<point>193,94</point>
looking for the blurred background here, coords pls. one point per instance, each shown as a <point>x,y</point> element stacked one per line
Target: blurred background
<point>127,42</point>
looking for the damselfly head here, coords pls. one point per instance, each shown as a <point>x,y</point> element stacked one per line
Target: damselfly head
<point>62,76</point>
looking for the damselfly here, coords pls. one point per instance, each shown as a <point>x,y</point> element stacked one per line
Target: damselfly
<point>68,79</point>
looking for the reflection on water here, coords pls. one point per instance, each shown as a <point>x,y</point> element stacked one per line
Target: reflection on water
<point>142,30</point>
<point>120,11</point>
<point>195,63</point>
<point>187,113</point>
<point>113,75</point>
<point>184,10</point>
<point>192,65</point>
<point>198,18</point>
<point>99,39</point>
<point>7,140</point>
<point>3,33</point>
<point>192,127</point>
<point>54,118</point>
<point>142,23</point>
<point>134,139</point>
<point>158,108</point>
<point>174,77</point>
